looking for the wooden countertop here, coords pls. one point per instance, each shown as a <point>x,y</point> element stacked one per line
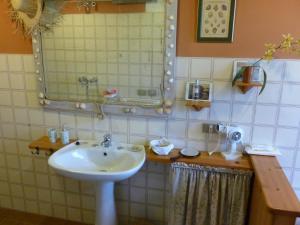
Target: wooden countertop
<point>277,191</point>
<point>204,159</point>
<point>44,143</point>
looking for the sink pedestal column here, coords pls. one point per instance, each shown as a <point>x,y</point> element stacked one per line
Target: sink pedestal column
<point>105,204</point>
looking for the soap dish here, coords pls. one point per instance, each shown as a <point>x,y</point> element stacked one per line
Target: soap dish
<point>262,150</point>
<point>189,152</point>
<point>137,148</point>
<point>161,147</point>
<point>131,148</point>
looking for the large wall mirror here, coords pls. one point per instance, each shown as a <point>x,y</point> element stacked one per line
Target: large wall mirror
<point>110,53</point>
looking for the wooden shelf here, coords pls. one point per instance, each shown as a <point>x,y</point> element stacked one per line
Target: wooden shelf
<point>244,87</point>
<point>198,105</point>
<point>44,143</point>
<point>277,192</point>
<point>272,196</point>
<point>204,159</point>
<point>71,7</point>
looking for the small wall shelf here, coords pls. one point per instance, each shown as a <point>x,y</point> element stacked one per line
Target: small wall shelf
<point>256,75</point>
<point>44,144</point>
<point>205,97</point>
<point>198,105</point>
<point>245,87</point>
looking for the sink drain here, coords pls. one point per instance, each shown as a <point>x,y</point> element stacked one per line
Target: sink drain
<point>103,170</point>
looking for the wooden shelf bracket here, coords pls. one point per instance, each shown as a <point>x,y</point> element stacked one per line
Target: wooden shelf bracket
<point>198,105</point>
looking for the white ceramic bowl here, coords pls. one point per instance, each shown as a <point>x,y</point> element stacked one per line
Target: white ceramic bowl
<point>161,147</point>
<point>189,152</point>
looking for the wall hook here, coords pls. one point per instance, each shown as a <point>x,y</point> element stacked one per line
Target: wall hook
<point>36,152</point>
<point>49,153</point>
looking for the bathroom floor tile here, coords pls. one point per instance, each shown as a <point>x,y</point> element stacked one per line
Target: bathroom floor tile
<point>12,217</point>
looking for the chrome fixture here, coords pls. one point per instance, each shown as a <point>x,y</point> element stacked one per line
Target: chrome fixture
<point>85,82</point>
<point>106,143</point>
<point>99,111</point>
<point>129,110</point>
<point>36,152</point>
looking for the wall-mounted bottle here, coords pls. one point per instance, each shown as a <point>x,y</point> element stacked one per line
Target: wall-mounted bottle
<point>52,135</point>
<point>65,135</point>
<point>196,90</point>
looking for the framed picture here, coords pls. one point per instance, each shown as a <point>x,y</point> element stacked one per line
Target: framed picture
<point>216,20</point>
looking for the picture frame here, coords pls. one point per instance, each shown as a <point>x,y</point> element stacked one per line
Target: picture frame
<point>216,21</point>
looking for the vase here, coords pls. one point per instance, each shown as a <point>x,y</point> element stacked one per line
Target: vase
<point>247,74</point>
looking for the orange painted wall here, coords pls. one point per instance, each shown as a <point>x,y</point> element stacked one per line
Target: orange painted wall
<point>257,22</point>
<point>11,42</point>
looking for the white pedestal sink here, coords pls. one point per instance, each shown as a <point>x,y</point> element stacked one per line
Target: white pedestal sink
<point>103,166</point>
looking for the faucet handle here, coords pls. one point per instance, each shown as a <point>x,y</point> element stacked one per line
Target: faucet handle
<point>107,137</point>
<point>107,141</point>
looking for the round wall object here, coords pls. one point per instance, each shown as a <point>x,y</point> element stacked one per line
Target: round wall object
<point>169,73</point>
<point>133,110</point>
<point>82,106</point>
<point>24,6</point>
<point>33,15</point>
<point>171,17</point>
<point>26,14</point>
<point>168,103</point>
<point>167,110</point>
<point>160,110</point>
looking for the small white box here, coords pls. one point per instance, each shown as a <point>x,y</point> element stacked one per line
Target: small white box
<point>205,85</point>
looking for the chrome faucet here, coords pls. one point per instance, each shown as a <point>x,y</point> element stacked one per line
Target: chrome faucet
<point>106,143</point>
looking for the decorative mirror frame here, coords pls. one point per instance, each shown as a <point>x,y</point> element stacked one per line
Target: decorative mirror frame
<point>123,108</point>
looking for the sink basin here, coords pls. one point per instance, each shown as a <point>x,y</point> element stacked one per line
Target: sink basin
<point>94,163</point>
<point>91,162</point>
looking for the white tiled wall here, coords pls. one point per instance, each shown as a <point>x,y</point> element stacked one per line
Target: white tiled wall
<point>27,183</point>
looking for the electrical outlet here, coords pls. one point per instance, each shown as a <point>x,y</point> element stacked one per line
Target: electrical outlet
<point>142,92</point>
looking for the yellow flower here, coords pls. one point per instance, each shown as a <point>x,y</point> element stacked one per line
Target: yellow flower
<point>287,42</point>
<point>271,49</point>
<point>268,55</point>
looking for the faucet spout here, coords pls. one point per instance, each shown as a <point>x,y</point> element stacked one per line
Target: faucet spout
<point>106,143</point>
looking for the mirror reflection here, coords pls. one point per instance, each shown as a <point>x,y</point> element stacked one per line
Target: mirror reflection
<point>116,55</point>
